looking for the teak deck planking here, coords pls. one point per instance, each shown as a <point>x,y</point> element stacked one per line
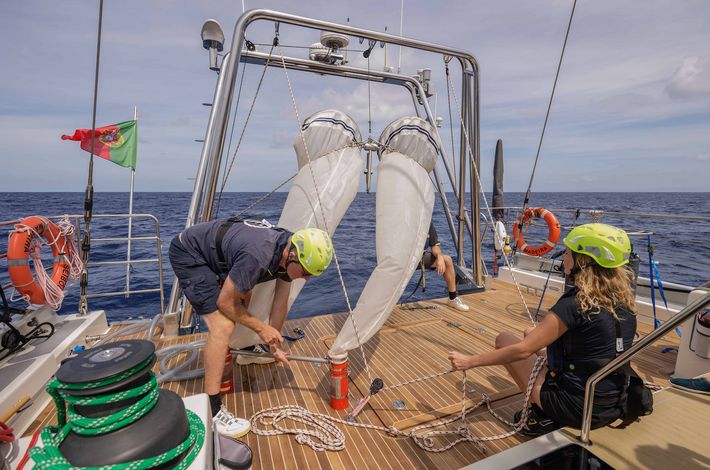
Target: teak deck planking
<point>412,343</point>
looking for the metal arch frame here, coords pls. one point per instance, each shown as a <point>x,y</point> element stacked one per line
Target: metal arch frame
<point>208,170</point>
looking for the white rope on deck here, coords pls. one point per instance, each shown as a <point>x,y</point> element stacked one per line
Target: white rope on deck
<point>321,432</point>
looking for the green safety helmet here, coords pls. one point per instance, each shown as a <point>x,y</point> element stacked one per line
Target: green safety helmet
<point>314,249</point>
<point>608,246</point>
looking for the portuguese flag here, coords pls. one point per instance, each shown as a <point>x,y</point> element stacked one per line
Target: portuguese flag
<point>117,143</point>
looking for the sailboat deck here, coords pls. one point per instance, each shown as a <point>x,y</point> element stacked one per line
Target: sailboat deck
<point>413,343</point>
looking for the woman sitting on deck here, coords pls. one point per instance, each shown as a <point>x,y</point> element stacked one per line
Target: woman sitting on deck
<point>580,333</point>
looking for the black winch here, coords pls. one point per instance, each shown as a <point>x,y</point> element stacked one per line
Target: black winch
<point>116,414</point>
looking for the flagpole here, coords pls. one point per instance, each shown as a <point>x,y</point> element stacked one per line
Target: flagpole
<point>130,218</point>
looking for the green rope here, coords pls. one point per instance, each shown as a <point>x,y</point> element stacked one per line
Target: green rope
<point>49,457</point>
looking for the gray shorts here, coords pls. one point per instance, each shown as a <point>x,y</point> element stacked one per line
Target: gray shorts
<point>428,259</point>
<point>198,282</point>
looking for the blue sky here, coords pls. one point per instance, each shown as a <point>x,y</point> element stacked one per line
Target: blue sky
<point>631,113</point>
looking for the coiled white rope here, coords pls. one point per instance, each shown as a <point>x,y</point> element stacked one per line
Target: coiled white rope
<point>53,295</point>
<point>67,231</point>
<point>321,432</point>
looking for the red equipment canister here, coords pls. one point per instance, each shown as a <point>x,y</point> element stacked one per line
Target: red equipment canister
<point>339,382</point>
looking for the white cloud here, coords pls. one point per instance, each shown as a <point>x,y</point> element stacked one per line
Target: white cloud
<point>384,105</point>
<point>692,79</point>
<point>623,96</point>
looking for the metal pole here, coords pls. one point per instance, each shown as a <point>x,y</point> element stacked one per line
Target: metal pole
<point>200,177</point>
<point>401,32</point>
<point>474,139</point>
<point>130,220</point>
<point>674,321</point>
<point>214,136</point>
<point>315,360</point>
<point>462,174</point>
<point>445,203</point>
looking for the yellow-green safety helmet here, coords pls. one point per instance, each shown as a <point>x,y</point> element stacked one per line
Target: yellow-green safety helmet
<point>609,246</point>
<point>314,249</point>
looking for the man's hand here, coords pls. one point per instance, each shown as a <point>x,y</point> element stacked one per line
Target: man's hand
<point>270,335</point>
<point>439,265</point>
<point>459,361</point>
<point>279,354</point>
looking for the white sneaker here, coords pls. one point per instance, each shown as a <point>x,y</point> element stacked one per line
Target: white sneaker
<point>227,424</point>
<point>458,304</point>
<point>244,360</point>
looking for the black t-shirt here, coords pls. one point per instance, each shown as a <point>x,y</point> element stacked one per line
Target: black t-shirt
<point>432,239</point>
<point>587,336</point>
<point>252,250</point>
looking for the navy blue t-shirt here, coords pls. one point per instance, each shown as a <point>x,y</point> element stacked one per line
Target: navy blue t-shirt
<point>587,336</point>
<point>252,251</point>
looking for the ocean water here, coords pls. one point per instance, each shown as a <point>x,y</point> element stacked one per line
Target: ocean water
<point>680,247</point>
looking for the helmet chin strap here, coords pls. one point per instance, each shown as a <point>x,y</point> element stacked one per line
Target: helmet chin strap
<point>282,272</point>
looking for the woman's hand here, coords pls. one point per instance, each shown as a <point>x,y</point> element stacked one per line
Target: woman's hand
<point>460,361</point>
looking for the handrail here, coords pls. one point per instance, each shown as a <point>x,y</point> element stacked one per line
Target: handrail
<point>150,238</point>
<point>619,361</point>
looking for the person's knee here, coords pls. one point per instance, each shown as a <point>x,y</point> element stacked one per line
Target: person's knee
<point>219,326</point>
<point>448,262</point>
<point>506,338</point>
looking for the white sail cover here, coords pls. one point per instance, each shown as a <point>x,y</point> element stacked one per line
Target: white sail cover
<point>405,200</point>
<point>337,166</point>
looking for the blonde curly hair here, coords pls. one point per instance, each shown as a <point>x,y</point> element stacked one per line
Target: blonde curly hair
<point>598,287</point>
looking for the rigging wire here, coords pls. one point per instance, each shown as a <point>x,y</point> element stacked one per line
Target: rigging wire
<point>451,123</point>
<point>246,122</point>
<point>547,114</point>
<point>469,153</point>
<point>231,134</point>
<point>89,194</point>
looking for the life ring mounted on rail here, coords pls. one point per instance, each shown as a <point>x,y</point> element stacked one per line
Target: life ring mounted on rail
<point>553,228</point>
<point>24,244</point>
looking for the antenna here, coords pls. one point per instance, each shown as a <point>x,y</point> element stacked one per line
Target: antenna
<point>212,40</point>
<point>386,67</point>
<point>401,33</point>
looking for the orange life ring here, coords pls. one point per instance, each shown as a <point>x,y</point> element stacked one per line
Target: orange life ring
<point>553,227</point>
<point>18,255</point>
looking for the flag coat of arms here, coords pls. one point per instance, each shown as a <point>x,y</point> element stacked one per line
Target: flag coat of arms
<point>117,143</point>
